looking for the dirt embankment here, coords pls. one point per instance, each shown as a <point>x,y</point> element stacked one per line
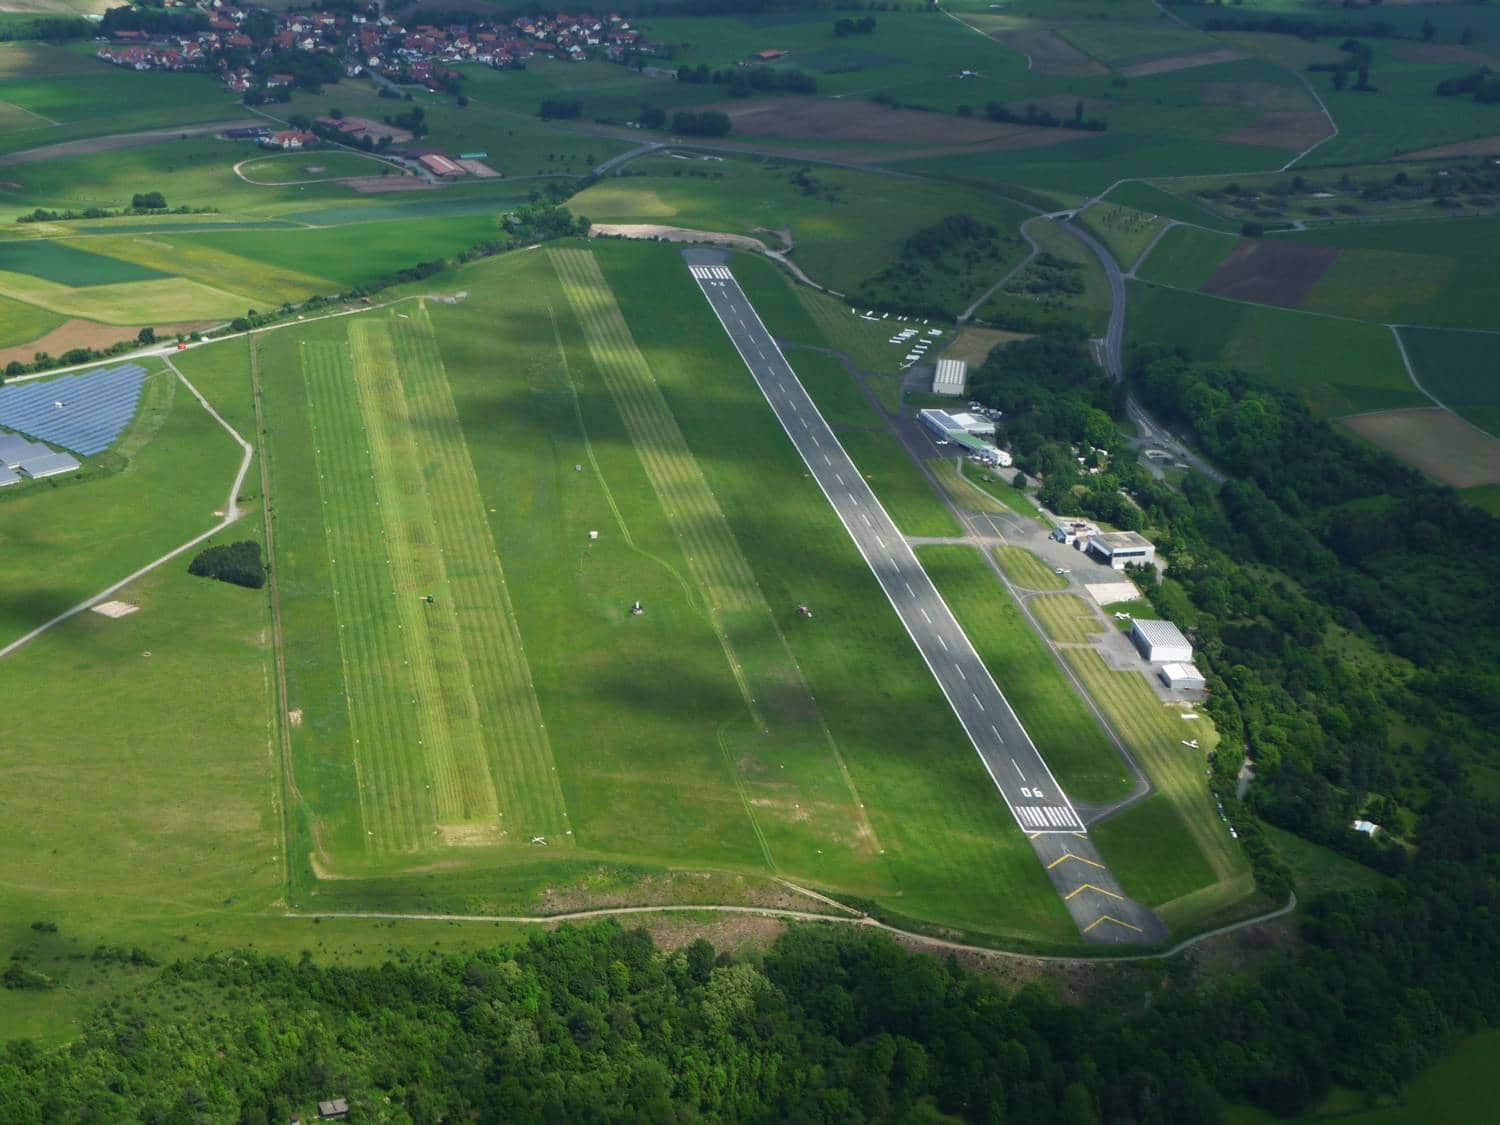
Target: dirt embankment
<point>677,234</point>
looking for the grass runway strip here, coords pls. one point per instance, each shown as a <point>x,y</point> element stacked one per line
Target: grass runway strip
<point>448,734</point>
<point>520,757</point>
<point>773,688</point>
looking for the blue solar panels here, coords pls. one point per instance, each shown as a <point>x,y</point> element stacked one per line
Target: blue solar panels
<point>84,413</point>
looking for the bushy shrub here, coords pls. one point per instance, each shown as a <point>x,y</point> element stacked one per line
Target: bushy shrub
<point>238,563</point>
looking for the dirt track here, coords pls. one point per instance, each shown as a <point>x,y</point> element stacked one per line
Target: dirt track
<point>122,140</point>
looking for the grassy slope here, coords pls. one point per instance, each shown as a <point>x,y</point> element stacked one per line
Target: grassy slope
<point>1337,366</point>
<point>1067,735</point>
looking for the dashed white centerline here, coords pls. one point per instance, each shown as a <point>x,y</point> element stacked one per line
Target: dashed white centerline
<point>909,590</point>
<point>942,642</point>
<point>826,461</point>
<point>839,477</point>
<point>976,700</point>
<point>926,618</point>
<point>961,675</point>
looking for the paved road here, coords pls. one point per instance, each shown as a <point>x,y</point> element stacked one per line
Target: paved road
<point>85,146</point>
<point>1152,432</point>
<point>1033,795</point>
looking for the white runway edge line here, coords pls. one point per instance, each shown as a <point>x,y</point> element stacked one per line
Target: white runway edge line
<point>1063,818</point>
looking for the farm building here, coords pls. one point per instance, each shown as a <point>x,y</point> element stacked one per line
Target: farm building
<point>440,165</point>
<point>949,377</point>
<point>1161,642</point>
<point>1182,676</point>
<point>1119,549</point>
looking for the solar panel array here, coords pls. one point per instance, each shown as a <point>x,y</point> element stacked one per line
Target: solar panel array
<point>84,413</point>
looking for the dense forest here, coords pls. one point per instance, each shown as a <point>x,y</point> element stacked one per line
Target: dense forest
<point>829,1025</point>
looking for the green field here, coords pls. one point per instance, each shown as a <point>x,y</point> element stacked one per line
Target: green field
<point>1027,571</point>
<point>69,265</point>
<point>1186,258</point>
<point>21,323</point>
<point>1435,273</point>
<point>847,228</point>
<point>1336,366</point>
<point>1066,733</point>
<point>1458,368</point>
<point>1172,851</point>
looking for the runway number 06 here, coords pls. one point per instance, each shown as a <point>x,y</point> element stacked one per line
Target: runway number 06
<point>1036,793</point>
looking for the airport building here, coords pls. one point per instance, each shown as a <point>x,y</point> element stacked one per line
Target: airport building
<point>1119,549</point>
<point>966,431</point>
<point>1161,642</point>
<point>1185,677</point>
<point>949,377</point>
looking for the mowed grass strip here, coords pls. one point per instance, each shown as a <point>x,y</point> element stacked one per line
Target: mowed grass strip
<point>442,688</point>
<point>716,560</point>
<point>771,684</point>
<point>1155,733</point>
<point>396,804</point>
<point>1065,732</point>
<point>519,753</point>
<point>1065,618</point>
<point>1027,571</point>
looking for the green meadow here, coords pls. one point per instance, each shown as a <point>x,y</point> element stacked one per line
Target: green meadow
<point>1336,366</point>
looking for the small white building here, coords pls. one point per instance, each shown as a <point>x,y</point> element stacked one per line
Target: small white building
<point>1185,677</point>
<point>1161,642</point>
<point>1368,827</point>
<point>1119,549</point>
<point>950,376</point>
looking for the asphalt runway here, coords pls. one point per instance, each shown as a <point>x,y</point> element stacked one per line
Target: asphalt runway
<point>1039,805</point>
